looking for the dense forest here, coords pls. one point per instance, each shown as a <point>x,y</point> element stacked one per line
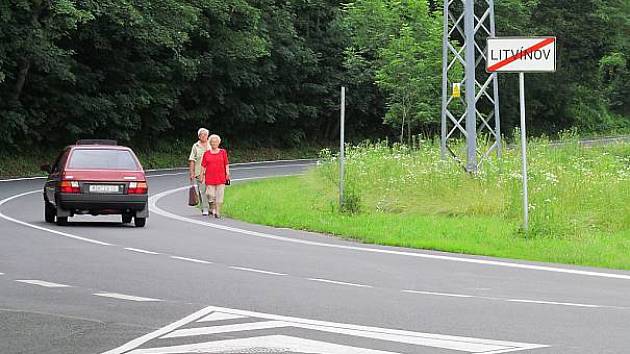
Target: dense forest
<point>265,72</point>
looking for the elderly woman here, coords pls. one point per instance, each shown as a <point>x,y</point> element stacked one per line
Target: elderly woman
<point>215,171</point>
<point>194,166</point>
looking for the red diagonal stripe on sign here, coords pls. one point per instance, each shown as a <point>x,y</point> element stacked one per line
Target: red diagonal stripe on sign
<point>518,56</point>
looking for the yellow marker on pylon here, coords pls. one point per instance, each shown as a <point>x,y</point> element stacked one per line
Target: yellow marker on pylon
<point>457,90</point>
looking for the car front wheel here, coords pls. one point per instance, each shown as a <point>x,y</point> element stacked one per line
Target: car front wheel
<point>139,222</point>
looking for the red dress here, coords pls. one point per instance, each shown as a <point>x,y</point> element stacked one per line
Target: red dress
<point>214,164</point>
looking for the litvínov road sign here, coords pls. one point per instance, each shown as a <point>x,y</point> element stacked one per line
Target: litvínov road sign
<point>519,54</point>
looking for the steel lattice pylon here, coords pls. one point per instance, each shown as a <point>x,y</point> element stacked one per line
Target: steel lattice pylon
<point>466,28</point>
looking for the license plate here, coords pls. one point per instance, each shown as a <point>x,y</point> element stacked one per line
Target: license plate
<point>99,188</point>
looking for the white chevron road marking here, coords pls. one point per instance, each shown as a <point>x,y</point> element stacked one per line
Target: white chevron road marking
<point>280,341</point>
<point>264,344</point>
<point>220,316</point>
<point>187,332</point>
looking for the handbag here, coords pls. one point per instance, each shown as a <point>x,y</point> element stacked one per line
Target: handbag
<point>193,195</point>
<point>227,180</point>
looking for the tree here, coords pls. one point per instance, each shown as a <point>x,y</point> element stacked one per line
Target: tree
<point>400,41</point>
<point>30,33</point>
<point>590,41</point>
<point>410,80</point>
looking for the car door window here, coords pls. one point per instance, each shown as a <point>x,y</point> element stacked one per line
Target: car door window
<point>56,167</point>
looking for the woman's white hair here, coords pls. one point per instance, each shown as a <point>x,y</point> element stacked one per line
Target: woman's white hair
<point>201,131</point>
<point>214,136</point>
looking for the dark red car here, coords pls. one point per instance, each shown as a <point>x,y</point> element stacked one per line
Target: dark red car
<point>96,177</point>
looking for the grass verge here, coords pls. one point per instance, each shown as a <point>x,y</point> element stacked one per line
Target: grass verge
<point>580,203</point>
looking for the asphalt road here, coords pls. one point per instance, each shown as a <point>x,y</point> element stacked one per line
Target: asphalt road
<point>189,284</point>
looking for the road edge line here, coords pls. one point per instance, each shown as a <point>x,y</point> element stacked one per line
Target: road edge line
<point>155,209</point>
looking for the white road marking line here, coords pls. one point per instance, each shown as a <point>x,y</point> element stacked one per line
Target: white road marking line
<point>1,273</point>
<point>191,260</point>
<point>139,250</point>
<point>220,316</point>
<point>200,331</point>
<point>22,179</point>
<point>126,297</point>
<point>43,283</point>
<point>436,294</point>
<point>154,208</point>
<point>159,332</point>
<point>610,275</point>
<point>475,345</point>
<point>339,282</point>
<point>552,303</point>
<point>262,344</point>
<point>257,271</point>
<point>507,300</point>
<point>44,177</point>
<point>466,344</point>
<point>65,234</point>
<point>394,335</point>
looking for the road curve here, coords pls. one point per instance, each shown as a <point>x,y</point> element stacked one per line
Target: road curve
<point>186,284</point>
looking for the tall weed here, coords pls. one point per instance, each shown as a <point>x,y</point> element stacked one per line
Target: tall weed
<point>574,191</point>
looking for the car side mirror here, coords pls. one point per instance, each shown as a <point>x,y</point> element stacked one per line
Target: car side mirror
<point>45,168</point>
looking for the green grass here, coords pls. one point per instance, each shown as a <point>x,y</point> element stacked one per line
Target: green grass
<point>579,202</point>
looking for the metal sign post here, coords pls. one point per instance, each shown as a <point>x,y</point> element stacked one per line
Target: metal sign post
<point>342,147</point>
<point>516,54</point>
<point>521,77</point>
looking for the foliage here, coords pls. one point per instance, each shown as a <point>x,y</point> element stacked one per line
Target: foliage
<point>144,71</point>
<point>588,89</point>
<point>268,73</point>
<point>399,41</point>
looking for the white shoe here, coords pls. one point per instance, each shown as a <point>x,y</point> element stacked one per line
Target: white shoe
<point>204,212</point>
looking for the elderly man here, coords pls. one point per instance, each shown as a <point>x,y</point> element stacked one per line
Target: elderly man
<point>194,166</point>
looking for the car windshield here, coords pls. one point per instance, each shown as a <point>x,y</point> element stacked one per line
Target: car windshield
<point>107,159</point>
